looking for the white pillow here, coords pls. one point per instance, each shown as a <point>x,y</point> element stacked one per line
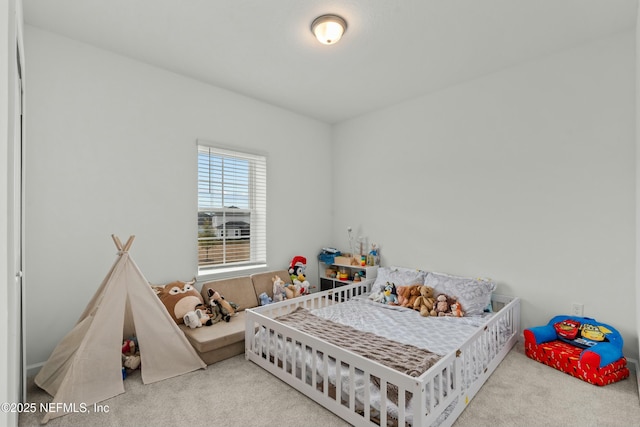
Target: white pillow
<point>400,276</point>
<point>473,294</point>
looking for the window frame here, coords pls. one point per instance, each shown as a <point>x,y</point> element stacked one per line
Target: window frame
<point>256,208</point>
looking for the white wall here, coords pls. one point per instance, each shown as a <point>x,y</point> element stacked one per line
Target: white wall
<point>526,176</point>
<point>112,150</point>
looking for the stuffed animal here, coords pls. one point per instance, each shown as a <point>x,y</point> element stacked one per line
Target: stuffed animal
<point>390,294</point>
<point>192,319</point>
<point>297,269</point>
<point>228,309</point>
<point>425,303</point>
<point>206,318</point>
<point>264,299</point>
<point>129,346</point>
<point>131,362</point>
<point>293,290</point>
<point>279,293</point>
<point>407,295</point>
<point>179,298</point>
<point>403,294</point>
<point>197,318</point>
<point>130,353</point>
<point>216,314</point>
<point>456,309</point>
<point>442,305</point>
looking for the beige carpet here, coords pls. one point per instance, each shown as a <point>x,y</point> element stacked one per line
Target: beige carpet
<point>522,392</point>
<point>238,393</point>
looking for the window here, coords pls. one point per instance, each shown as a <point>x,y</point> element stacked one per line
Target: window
<point>232,208</point>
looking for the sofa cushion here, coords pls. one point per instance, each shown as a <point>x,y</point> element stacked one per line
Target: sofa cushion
<point>216,336</point>
<point>238,290</point>
<point>262,281</point>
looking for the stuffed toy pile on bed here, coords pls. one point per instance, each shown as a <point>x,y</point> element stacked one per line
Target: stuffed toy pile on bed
<point>579,346</point>
<point>420,298</point>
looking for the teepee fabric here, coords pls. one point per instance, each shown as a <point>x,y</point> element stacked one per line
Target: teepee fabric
<point>86,366</point>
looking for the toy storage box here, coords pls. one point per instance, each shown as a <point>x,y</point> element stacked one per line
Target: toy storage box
<point>579,346</point>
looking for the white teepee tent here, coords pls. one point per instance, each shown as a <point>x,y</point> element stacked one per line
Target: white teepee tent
<point>85,367</point>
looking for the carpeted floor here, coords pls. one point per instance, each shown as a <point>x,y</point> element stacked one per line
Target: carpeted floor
<point>522,392</point>
<point>236,392</point>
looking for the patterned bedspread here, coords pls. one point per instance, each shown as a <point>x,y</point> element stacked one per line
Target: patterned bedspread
<point>404,358</point>
<point>440,335</point>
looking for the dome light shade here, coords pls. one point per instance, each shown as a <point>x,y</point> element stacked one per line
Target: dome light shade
<point>328,29</point>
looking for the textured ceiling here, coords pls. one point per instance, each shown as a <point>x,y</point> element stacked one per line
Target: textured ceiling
<point>393,50</point>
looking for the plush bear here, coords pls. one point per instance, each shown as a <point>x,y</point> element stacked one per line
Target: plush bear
<point>425,303</point>
<point>279,293</point>
<point>442,305</point>
<point>179,298</point>
<point>293,290</point>
<point>403,294</point>
<point>228,309</point>
<point>407,295</point>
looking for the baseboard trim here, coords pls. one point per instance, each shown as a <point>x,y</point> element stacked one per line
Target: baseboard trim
<point>635,363</point>
<point>32,370</point>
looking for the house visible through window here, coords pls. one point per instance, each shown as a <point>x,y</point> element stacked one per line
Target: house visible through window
<point>232,206</point>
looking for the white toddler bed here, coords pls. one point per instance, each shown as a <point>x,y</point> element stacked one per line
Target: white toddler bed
<point>370,390</point>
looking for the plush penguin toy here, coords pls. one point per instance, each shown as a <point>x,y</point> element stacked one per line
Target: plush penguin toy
<point>297,271</point>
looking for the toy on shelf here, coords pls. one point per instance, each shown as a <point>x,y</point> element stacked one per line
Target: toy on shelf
<point>373,258</point>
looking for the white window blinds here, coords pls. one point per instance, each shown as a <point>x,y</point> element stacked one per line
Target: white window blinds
<point>232,208</point>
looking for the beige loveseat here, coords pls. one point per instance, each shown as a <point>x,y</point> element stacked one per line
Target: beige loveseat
<point>226,339</point>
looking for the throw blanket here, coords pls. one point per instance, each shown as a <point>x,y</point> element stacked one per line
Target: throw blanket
<point>405,358</point>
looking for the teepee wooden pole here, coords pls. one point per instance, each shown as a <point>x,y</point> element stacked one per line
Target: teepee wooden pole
<point>129,243</point>
<point>117,241</point>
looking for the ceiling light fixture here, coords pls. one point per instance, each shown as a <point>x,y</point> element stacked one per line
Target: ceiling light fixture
<point>328,29</point>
